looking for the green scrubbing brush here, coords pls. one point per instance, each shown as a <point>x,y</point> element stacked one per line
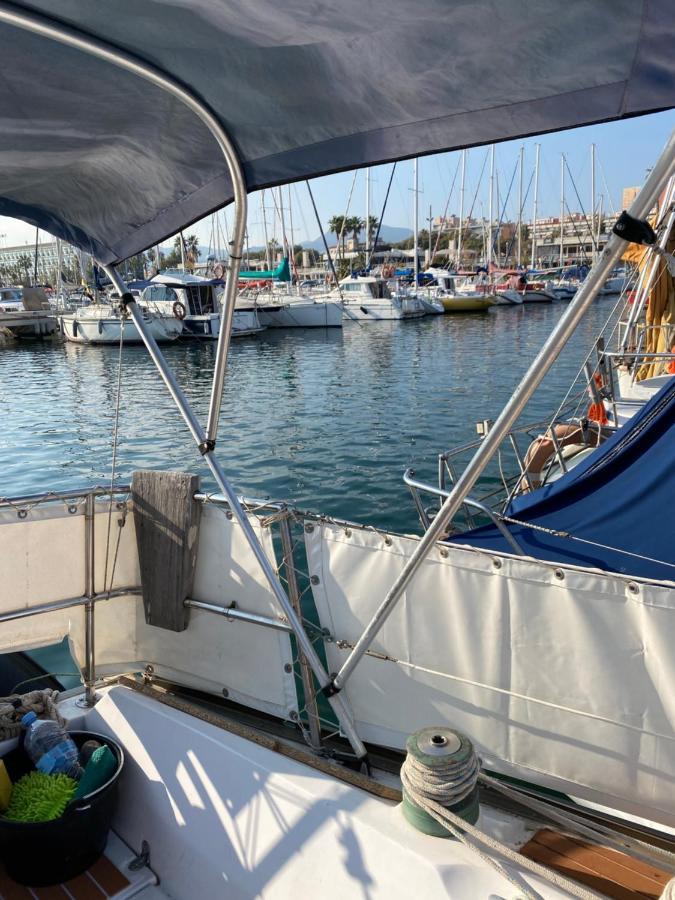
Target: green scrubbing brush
<point>38,797</point>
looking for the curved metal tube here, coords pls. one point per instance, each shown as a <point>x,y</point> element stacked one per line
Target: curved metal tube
<point>71,37</point>
<point>205,438</point>
<point>415,486</point>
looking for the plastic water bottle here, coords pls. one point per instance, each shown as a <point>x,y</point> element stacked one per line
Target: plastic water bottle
<point>50,747</point>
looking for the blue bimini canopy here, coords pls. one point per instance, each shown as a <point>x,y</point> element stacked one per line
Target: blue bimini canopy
<point>617,506</point>
<point>114,164</point>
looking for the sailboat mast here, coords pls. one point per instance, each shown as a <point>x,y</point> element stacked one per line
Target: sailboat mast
<point>562,204</point>
<point>59,269</point>
<point>429,233</point>
<point>461,212</point>
<point>268,263</point>
<point>182,249</point>
<point>415,221</point>
<point>367,216</point>
<point>536,200</point>
<point>520,204</point>
<point>292,253</point>
<point>490,210</point>
<point>592,227</point>
<point>35,262</point>
<point>284,240</point>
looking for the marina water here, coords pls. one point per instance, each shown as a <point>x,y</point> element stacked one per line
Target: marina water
<point>325,419</point>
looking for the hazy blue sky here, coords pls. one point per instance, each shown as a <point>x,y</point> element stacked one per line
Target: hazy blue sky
<point>624,152</point>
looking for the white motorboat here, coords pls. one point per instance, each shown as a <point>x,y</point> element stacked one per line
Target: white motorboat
<point>101,323</point>
<point>368,298</point>
<point>196,302</point>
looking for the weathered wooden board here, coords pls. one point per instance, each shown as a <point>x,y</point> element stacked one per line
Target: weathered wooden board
<point>166,516</point>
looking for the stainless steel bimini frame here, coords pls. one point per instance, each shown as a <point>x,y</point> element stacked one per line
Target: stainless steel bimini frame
<point>563,331</point>
<point>205,438</point>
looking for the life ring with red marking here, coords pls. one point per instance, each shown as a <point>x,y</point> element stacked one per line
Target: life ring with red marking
<point>179,310</point>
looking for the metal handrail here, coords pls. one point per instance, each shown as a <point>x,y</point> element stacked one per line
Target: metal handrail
<point>622,354</point>
<point>415,486</point>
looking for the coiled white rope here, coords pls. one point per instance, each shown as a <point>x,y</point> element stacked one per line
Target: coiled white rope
<point>41,702</point>
<point>431,789</point>
<point>448,783</point>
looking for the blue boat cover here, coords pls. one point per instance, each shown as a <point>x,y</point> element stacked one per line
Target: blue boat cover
<point>617,506</point>
<point>114,164</point>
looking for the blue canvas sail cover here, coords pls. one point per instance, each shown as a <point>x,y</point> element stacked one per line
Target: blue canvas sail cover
<point>616,506</point>
<point>114,164</point>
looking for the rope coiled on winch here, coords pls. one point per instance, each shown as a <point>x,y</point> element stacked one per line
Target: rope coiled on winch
<point>447,783</point>
<point>12,708</point>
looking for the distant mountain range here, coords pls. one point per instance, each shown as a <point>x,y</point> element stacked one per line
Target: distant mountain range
<point>389,234</point>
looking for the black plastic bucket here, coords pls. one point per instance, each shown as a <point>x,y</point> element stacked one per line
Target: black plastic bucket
<point>44,853</point>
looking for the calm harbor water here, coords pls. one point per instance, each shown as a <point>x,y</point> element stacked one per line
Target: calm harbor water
<point>326,419</point>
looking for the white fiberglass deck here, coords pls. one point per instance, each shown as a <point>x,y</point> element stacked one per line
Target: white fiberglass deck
<point>225,817</point>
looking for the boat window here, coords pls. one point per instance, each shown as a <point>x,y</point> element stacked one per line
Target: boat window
<point>380,289</point>
<point>200,299</point>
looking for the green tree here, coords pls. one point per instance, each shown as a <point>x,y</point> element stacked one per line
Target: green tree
<point>191,251</point>
<point>354,225</point>
<point>337,226</point>
<point>373,225</point>
<point>273,247</point>
<point>23,265</point>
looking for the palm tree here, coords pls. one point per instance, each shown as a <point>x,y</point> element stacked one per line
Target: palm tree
<point>354,226</point>
<point>373,225</point>
<point>273,246</point>
<point>337,226</point>
<point>191,250</point>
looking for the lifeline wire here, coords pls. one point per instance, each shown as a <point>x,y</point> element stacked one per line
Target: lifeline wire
<point>113,468</point>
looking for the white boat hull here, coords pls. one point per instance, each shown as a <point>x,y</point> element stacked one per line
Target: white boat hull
<point>509,298</point>
<point>301,313</point>
<point>95,330</point>
<point>207,327</point>
<point>538,297</point>
<point>383,309</point>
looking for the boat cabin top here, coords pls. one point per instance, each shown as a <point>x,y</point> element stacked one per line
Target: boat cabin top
<point>365,286</point>
<point>197,296</point>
